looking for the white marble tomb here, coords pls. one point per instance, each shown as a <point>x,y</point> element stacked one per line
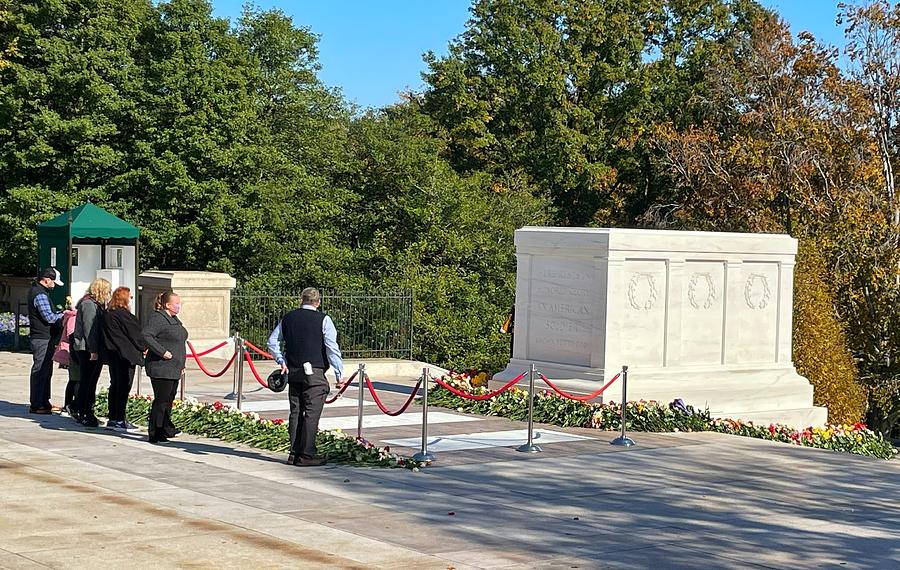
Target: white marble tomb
<point>701,316</point>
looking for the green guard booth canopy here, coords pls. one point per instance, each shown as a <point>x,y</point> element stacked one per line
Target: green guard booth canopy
<point>93,230</point>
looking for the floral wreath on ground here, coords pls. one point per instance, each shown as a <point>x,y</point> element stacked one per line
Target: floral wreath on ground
<point>227,423</point>
<point>648,416</point>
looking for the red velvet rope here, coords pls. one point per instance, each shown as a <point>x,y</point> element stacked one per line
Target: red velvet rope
<point>342,390</point>
<point>253,370</point>
<point>381,406</point>
<point>583,398</point>
<point>196,357</point>
<point>207,351</point>
<point>258,350</point>
<point>488,396</point>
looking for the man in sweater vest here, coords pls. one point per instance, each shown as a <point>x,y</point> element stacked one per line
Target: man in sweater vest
<point>45,329</point>
<point>310,346</point>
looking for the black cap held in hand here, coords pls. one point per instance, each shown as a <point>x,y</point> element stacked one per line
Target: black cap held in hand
<point>277,381</point>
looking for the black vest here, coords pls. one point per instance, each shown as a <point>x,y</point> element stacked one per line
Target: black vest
<point>38,326</point>
<point>304,340</point>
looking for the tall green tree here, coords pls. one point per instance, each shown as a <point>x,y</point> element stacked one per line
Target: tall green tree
<point>449,237</point>
<point>175,120</point>
<point>566,91</point>
<point>297,197</point>
<point>64,98</point>
<point>9,47</point>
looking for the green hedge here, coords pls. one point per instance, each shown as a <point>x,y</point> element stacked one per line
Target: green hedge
<point>821,353</point>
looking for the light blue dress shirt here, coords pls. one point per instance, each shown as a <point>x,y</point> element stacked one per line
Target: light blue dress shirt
<point>332,350</point>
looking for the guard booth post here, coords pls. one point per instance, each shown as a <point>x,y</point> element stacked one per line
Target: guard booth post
<point>85,243</point>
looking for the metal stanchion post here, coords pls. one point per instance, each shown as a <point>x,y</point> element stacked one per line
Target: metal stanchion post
<point>623,439</point>
<point>239,358</point>
<point>182,385</point>
<point>360,382</point>
<point>530,447</point>
<point>234,379</point>
<point>424,454</point>
<point>140,370</point>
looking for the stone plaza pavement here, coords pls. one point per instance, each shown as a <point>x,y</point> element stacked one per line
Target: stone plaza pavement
<point>73,497</point>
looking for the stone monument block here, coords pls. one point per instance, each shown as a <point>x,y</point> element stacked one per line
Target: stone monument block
<point>205,304</point>
<point>701,316</point>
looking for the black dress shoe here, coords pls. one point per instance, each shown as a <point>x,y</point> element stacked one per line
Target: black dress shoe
<point>291,460</point>
<point>161,439</point>
<point>90,421</point>
<point>310,462</point>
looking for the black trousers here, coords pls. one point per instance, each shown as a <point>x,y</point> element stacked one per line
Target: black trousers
<point>87,384</point>
<point>72,384</point>
<point>160,422</point>
<point>41,371</point>
<point>307,398</point>
<point>121,376</point>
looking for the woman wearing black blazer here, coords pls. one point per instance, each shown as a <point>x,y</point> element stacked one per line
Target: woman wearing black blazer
<point>125,347</point>
<point>165,337</point>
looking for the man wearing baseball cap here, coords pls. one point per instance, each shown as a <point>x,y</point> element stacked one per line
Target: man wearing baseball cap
<point>45,330</point>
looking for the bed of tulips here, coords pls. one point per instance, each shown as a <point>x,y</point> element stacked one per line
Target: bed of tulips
<point>855,438</point>
<point>551,408</point>
<point>223,422</point>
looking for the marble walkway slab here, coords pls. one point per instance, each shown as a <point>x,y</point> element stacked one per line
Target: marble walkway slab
<point>487,439</point>
<point>407,419</point>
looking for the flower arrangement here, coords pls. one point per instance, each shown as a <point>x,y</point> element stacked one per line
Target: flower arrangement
<point>223,422</point>
<point>8,330</point>
<point>650,416</point>
<point>851,438</point>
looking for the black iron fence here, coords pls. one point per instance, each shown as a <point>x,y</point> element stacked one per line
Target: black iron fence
<point>14,329</point>
<point>369,324</point>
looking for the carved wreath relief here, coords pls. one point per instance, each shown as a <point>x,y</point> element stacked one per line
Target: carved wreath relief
<point>757,292</point>
<point>702,291</point>
<point>642,291</point>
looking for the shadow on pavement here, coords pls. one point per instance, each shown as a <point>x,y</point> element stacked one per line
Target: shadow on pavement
<point>57,422</point>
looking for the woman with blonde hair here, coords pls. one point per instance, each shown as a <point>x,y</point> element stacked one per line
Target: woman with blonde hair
<point>125,347</point>
<point>165,337</point>
<point>87,347</point>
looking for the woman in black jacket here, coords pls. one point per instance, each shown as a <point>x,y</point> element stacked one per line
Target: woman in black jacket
<point>88,347</point>
<point>125,348</point>
<point>165,337</point>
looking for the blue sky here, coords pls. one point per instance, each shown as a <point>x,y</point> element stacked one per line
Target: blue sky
<point>372,49</point>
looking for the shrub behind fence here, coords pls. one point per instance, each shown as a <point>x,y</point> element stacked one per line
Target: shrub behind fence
<point>14,330</point>
<point>369,324</point>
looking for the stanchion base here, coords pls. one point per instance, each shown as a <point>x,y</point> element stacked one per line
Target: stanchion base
<point>624,441</point>
<point>426,457</point>
<point>230,396</point>
<point>529,448</point>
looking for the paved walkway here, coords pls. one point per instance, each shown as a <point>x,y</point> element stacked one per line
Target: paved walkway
<point>76,498</point>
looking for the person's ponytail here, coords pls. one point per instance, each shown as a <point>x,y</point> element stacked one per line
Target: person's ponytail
<point>162,299</point>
